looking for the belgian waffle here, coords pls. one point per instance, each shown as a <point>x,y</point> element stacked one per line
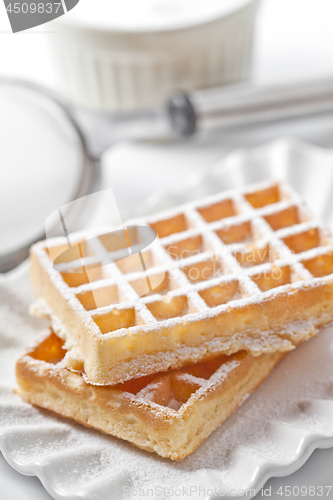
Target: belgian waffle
<point>248,269</point>
<point>170,413</point>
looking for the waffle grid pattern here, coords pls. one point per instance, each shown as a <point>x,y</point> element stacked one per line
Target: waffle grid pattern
<point>169,413</point>
<point>169,391</point>
<point>235,247</point>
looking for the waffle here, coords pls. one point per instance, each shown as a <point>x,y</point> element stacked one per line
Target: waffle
<point>248,269</point>
<point>170,413</point>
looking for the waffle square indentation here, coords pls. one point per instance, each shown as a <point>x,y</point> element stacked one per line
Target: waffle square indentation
<point>181,249</point>
<point>117,318</point>
<point>83,274</point>
<point>274,277</point>
<point>50,350</point>
<point>138,262</point>
<point>190,378</point>
<point>171,307</point>
<point>263,197</point>
<point>62,254</point>
<point>150,283</point>
<point>222,293</point>
<point>165,227</point>
<point>99,297</point>
<point>303,241</point>
<point>204,270</point>
<point>243,232</point>
<point>255,255</point>
<point>218,211</point>
<point>321,265</point>
<point>284,218</point>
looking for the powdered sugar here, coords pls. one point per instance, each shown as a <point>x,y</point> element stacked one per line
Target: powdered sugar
<point>106,329</point>
<point>221,253</point>
<point>295,402</point>
<point>86,462</point>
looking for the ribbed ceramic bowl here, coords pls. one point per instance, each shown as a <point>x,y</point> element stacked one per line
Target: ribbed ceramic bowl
<point>135,66</point>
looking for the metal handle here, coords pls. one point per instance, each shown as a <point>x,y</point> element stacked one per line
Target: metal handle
<point>241,104</point>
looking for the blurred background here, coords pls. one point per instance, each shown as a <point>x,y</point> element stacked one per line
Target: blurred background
<point>293,38</point>
<point>100,118</point>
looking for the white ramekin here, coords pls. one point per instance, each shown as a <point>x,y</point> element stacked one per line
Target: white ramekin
<point>118,68</point>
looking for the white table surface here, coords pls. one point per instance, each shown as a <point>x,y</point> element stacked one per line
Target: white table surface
<point>294,39</point>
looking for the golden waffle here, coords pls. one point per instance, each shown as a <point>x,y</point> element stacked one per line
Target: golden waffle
<point>170,413</point>
<point>247,269</point>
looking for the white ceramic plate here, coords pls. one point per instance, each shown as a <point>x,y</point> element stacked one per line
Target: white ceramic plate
<point>272,434</point>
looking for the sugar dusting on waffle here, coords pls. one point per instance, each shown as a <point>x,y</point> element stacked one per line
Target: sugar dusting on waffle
<point>222,254</point>
<point>170,413</point>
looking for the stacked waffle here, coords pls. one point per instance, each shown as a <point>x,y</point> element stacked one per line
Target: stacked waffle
<point>160,347</point>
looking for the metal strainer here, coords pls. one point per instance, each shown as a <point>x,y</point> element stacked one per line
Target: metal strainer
<point>44,164</point>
